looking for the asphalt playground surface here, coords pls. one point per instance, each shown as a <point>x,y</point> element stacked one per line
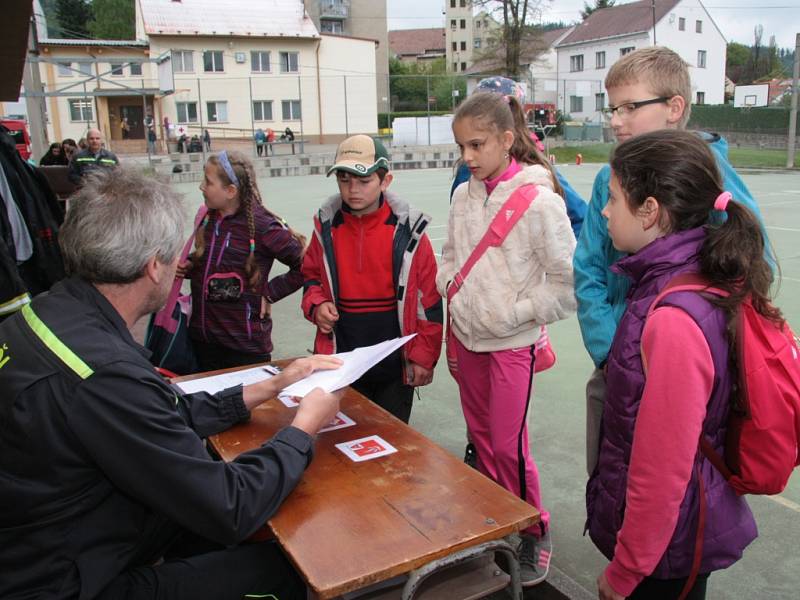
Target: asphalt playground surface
<point>770,567</point>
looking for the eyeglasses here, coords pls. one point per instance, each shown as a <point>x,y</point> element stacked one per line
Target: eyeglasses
<point>625,110</point>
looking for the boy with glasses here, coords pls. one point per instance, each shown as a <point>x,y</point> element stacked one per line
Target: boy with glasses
<point>370,276</point>
<point>648,90</point>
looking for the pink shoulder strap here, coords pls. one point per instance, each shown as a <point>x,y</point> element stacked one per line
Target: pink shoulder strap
<point>685,282</point>
<point>164,317</point>
<point>503,222</point>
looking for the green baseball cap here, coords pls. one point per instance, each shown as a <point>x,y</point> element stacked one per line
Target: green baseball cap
<point>360,155</point>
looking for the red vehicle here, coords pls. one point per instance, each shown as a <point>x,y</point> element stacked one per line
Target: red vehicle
<point>19,131</point>
<point>541,114</point>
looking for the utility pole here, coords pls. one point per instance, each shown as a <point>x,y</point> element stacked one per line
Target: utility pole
<point>653,4</point>
<point>35,104</point>
<point>793,113</point>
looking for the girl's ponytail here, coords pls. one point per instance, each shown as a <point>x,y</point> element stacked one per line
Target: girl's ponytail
<point>732,258</point>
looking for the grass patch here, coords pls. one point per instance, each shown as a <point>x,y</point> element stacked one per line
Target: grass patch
<point>740,158</point>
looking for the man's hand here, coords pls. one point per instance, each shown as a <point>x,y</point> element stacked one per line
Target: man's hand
<point>255,394</point>
<point>604,591</point>
<point>325,316</point>
<point>421,375</point>
<point>266,309</point>
<point>184,269</point>
<point>316,410</point>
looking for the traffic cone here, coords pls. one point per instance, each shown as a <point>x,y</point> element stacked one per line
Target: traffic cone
<point>578,159</point>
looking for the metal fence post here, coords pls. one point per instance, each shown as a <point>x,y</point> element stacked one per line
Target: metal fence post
<point>346,121</point>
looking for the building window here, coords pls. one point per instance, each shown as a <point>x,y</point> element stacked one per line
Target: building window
<point>452,3</point>
<point>217,112</point>
<point>576,63</point>
<point>259,62</point>
<point>212,61</point>
<point>599,60</point>
<point>478,24</point>
<point>681,24</point>
<point>262,110</point>
<point>136,68</point>
<point>455,66</point>
<point>453,24</point>
<point>182,61</point>
<point>626,50</point>
<point>65,69</point>
<point>289,62</point>
<point>576,104</point>
<point>485,23</point>
<point>290,110</point>
<point>463,66</point>
<point>698,26</point>
<point>599,102</point>
<point>454,46</point>
<point>463,45</point>
<point>85,69</point>
<point>701,59</point>
<point>701,97</point>
<point>80,109</point>
<point>462,3</point>
<point>476,43</point>
<point>187,112</point>
<point>330,26</point>
<point>116,69</point>
<point>463,24</point>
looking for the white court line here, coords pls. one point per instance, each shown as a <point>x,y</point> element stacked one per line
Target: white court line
<point>790,279</point>
<point>437,239</point>
<point>785,502</point>
<point>435,226</point>
<point>761,204</point>
<point>792,229</point>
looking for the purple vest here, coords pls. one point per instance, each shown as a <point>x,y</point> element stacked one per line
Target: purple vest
<point>730,526</point>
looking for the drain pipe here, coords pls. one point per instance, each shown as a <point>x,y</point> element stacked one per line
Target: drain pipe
<point>319,95</point>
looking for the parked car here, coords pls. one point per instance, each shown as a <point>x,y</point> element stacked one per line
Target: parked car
<point>19,131</point>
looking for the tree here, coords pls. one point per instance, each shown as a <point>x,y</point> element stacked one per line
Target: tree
<point>113,19</point>
<point>598,4</point>
<point>73,18</point>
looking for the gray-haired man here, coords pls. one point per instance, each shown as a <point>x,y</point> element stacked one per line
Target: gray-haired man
<point>103,469</point>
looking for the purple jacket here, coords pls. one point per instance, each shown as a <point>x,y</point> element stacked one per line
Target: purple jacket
<point>235,323</point>
<point>730,526</point>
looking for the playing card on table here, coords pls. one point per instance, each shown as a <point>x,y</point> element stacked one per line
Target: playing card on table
<point>290,401</point>
<point>366,448</point>
<point>340,421</point>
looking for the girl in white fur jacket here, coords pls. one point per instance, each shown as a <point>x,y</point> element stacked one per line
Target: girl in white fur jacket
<point>511,291</point>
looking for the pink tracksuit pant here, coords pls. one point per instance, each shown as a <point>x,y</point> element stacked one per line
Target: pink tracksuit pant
<point>496,388</point>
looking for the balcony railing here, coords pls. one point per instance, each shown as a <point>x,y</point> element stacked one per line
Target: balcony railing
<point>334,9</point>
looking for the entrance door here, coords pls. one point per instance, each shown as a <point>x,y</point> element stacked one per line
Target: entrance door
<point>135,115</point>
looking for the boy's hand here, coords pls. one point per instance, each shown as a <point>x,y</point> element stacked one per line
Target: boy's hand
<point>316,410</point>
<point>184,269</point>
<point>421,375</point>
<point>326,316</point>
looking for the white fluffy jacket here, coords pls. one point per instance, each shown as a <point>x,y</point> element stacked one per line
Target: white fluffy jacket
<point>513,289</point>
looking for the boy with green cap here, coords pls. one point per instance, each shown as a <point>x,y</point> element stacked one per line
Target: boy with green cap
<point>370,276</point>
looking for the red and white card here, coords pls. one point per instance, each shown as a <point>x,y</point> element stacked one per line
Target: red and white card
<point>340,421</point>
<point>366,448</point>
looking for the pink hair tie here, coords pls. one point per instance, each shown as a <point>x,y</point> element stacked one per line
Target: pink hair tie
<point>721,203</point>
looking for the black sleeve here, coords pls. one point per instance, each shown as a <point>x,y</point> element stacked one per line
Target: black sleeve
<point>74,171</point>
<point>133,432</point>
<point>209,414</point>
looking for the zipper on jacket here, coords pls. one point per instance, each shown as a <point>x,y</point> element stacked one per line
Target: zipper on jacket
<point>360,244</point>
<point>223,247</point>
<point>248,312</point>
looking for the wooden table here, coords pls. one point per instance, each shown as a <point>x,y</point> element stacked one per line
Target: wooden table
<point>351,524</point>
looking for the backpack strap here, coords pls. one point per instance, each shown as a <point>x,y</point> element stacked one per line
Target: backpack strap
<point>164,317</point>
<point>503,222</point>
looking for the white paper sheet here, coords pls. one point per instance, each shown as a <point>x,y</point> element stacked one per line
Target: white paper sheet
<point>356,363</point>
<point>217,383</point>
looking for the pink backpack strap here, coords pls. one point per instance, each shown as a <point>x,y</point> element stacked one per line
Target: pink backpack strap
<point>503,222</point>
<point>685,282</point>
<point>164,317</point>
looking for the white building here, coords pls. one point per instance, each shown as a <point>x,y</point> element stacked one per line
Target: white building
<point>466,34</point>
<point>586,54</point>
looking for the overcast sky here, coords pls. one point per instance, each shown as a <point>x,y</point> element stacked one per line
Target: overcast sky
<point>735,18</point>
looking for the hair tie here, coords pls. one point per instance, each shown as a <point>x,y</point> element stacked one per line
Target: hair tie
<point>721,203</point>
<point>252,245</point>
<point>226,166</point>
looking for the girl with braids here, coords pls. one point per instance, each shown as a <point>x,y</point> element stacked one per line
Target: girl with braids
<point>235,249</point>
<point>510,292</point>
<point>669,375</point>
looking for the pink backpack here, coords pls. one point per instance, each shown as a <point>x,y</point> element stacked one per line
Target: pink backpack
<point>503,222</point>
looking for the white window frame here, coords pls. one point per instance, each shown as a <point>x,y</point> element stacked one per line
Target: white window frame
<point>600,60</point>
<point>476,43</point>
<point>626,50</point>
<point>291,105</point>
<point>214,54</point>
<point>85,69</point>
<point>64,69</point>
<point>576,104</point>
<point>332,26</point>
<point>220,111</point>
<point>117,69</point>
<point>257,60</point>
<point>599,101</point>
<point>85,109</point>
<point>698,26</point>
<point>702,59</point>
<point>286,62</point>
<point>180,56</point>
<point>186,112</point>
<point>701,98</point>
<point>262,104</point>
<point>681,23</point>
<point>137,65</point>
<point>576,63</point>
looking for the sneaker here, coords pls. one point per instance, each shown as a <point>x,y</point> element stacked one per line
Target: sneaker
<point>534,558</point>
<point>471,455</point>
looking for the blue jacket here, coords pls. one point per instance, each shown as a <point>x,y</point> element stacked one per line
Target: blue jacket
<point>600,292</point>
<point>576,207</point>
